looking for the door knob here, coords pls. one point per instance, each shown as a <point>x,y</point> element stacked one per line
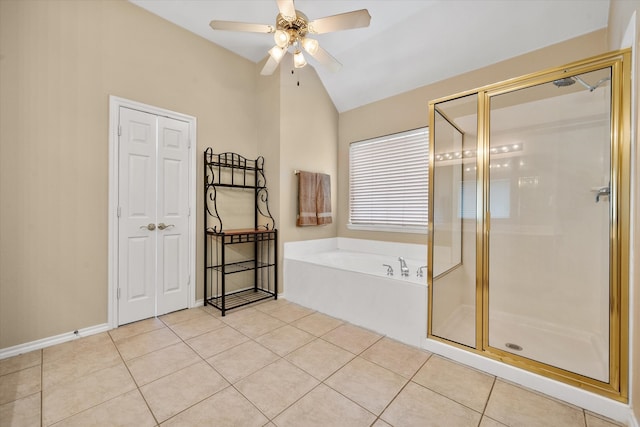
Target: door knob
<point>162,226</point>
<point>149,227</point>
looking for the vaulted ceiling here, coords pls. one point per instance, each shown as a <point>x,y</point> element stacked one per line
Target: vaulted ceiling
<point>410,43</point>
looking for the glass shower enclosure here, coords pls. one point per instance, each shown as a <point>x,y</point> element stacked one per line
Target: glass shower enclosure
<point>529,222</point>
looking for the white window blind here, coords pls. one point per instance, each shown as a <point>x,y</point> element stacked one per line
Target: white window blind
<point>389,182</point>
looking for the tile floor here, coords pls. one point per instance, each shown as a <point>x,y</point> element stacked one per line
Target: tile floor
<point>272,364</point>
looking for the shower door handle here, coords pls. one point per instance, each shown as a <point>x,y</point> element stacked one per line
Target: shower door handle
<point>602,191</point>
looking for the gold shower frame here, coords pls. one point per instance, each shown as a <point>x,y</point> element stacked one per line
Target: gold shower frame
<point>619,227</point>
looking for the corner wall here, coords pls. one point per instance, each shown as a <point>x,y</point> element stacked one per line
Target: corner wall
<point>308,141</point>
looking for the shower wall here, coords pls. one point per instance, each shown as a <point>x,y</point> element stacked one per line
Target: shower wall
<point>527,184</point>
<point>547,243</point>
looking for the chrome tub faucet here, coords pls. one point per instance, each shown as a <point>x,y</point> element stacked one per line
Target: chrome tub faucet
<point>404,270</point>
<point>389,269</point>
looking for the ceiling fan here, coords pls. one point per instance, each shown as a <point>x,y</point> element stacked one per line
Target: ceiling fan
<point>290,32</point>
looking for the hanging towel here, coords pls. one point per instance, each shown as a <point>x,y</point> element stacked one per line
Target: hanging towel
<point>307,195</point>
<point>323,198</point>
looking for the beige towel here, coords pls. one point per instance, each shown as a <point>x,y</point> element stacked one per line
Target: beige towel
<point>307,194</point>
<point>323,198</point>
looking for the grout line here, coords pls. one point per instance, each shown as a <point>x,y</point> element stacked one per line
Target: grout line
<point>486,403</point>
<point>202,359</point>
<point>251,402</point>
<point>144,399</point>
<point>410,380</point>
<point>448,398</point>
<point>139,333</point>
<point>493,384</point>
<point>350,399</point>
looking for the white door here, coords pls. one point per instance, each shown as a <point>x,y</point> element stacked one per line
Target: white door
<point>153,202</point>
<point>172,215</point>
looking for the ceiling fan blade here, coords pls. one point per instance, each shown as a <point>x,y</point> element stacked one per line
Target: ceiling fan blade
<point>325,58</point>
<point>287,9</point>
<point>343,21</point>
<point>241,26</point>
<point>270,66</point>
<point>276,54</point>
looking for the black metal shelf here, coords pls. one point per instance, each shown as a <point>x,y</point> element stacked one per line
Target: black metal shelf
<point>232,171</point>
<point>231,237</point>
<point>248,187</point>
<point>240,298</point>
<point>238,267</point>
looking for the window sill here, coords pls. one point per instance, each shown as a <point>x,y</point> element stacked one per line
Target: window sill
<point>387,228</point>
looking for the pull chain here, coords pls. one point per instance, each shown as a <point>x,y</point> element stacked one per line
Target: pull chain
<point>298,82</point>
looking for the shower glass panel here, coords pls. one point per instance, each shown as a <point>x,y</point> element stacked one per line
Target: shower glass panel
<point>453,182</point>
<point>549,169</point>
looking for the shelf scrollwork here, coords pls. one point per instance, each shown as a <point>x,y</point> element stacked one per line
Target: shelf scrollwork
<point>262,205</point>
<point>213,221</point>
<point>231,170</point>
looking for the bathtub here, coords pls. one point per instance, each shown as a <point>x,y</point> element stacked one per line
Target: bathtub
<point>345,278</point>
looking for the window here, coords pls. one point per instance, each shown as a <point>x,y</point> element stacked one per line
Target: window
<point>389,182</point>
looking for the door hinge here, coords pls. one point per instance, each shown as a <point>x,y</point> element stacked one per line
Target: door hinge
<point>119,211</point>
<point>189,280</point>
<point>118,293</point>
<point>189,212</point>
<point>119,130</point>
<point>189,143</point>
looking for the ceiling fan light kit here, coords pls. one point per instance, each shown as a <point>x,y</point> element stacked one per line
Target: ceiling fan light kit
<point>310,45</point>
<point>299,60</point>
<point>282,38</point>
<point>292,27</point>
<point>277,53</point>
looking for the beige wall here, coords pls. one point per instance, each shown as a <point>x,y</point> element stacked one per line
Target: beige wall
<point>59,62</point>
<point>302,123</point>
<point>409,111</point>
<point>309,142</point>
<point>620,15</point>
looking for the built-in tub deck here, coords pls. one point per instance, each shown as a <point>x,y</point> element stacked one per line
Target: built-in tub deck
<point>346,278</point>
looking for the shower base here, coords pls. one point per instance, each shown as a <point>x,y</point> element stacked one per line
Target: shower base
<point>571,350</point>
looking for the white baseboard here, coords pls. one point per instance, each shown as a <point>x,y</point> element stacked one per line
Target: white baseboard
<point>49,341</point>
<point>633,421</point>
<point>68,336</point>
